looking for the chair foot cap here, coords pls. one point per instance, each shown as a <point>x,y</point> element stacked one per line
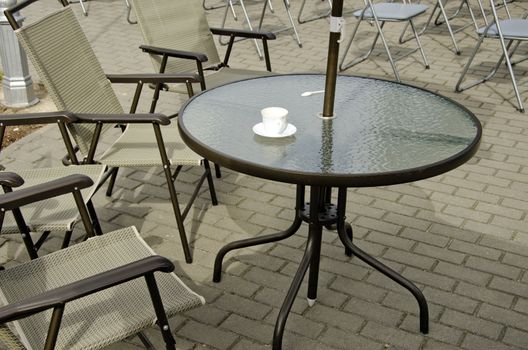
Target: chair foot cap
<point>311,302</point>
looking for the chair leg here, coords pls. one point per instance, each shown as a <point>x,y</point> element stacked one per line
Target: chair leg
<point>458,86</point>
<point>111,184</point>
<point>506,55</point>
<point>66,239</point>
<point>161,316</point>
<point>172,192</point>
<point>210,182</point>
<point>419,44</point>
<point>178,216</point>
<point>290,18</point>
<point>353,62</point>
<point>442,10</point>
<point>95,220</point>
<point>218,172</point>
<point>393,64</point>
<point>145,341</point>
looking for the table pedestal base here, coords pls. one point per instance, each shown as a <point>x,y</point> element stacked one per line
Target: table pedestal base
<point>317,214</point>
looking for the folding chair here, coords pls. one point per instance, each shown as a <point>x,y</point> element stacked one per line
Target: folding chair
<point>440,7</point>
<point>77,83</point>
<point>179,30</point>
<point>385,12</point>
<point>44,217</point>
<point>92,294</point>
<point>513,30</point>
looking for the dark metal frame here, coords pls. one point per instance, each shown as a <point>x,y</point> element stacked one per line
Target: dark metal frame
<point>57,298</point>
<point>8,181</point>
<point>318,213</point>
<point>155,119</point>
<point>321,212</point>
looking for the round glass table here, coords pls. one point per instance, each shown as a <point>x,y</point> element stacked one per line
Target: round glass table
<point>382,133</point>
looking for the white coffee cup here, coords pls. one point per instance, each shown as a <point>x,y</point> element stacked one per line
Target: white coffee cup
<point>274,119</point>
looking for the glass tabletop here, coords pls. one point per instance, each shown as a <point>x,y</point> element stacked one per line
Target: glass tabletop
<point>382,132</point>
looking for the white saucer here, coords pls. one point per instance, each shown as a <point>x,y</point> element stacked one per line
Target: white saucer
<point>261,131</point>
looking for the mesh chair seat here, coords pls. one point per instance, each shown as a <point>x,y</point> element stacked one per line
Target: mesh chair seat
<point>137,147</point>
<point>56,214</point>
<point>394,11</point>
<point>511,28</point>
<point>102,318</point>
<point>221,77</point>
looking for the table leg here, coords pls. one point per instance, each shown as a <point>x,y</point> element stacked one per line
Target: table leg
<point>292,292</point>
<point>318,196</point>
<point>343,227</point>
<point>249,242</point>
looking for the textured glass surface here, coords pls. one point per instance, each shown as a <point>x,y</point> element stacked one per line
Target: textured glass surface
<point>379,126</point>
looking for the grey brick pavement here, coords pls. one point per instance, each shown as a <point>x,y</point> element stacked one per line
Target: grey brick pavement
<point>462,236</point>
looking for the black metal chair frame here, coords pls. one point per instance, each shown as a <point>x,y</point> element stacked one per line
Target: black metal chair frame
<point>9,182</point>
<point>58,298</point>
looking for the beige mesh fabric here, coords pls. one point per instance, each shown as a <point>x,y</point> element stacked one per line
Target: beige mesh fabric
<point>137,147</point>
<point>178,25</point>
<point>220,77</point>
<point>8,340</point>
<point>80,86</point>
<point>102,318</point>
<point>54,214</point>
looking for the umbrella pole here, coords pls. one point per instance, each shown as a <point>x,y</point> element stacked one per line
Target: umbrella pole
<point>333,53</point>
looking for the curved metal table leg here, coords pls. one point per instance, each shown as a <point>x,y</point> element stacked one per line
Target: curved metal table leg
<point>290,297</point>
<point>393,275</point>
<point>344,231</point>
<point>249,242</point>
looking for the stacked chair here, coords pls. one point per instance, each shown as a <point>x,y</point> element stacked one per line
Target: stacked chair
<point>510,32</point>
<point>76,83</point>
<point>381,13</point>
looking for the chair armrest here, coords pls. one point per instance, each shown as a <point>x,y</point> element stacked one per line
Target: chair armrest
<point>87,286</point>
<point>153,78</point>
<point>37,118</point>
<point>54,188</point>
<point>174,53</point>
<point>244,33</point>
<point>11,179</point>
<point>156,118</point>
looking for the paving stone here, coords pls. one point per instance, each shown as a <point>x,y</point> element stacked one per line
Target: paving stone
<point>484,294</point>
<point>516,337</point>
<point>471,323</point>
<point>374,311</point>
<point>474,342</point>
<point>463,273</point>
<point>503,316</point>
<point>213,336</point>
<point>346,340</point>
<point>392,336</point>
<point>437,331</point>
<point>439,253</point>
<point>336,318</point>
<point>493,267</point>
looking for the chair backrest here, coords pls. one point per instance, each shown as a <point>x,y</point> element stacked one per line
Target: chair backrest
<point>66,63</point>
<point>177,25</point>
